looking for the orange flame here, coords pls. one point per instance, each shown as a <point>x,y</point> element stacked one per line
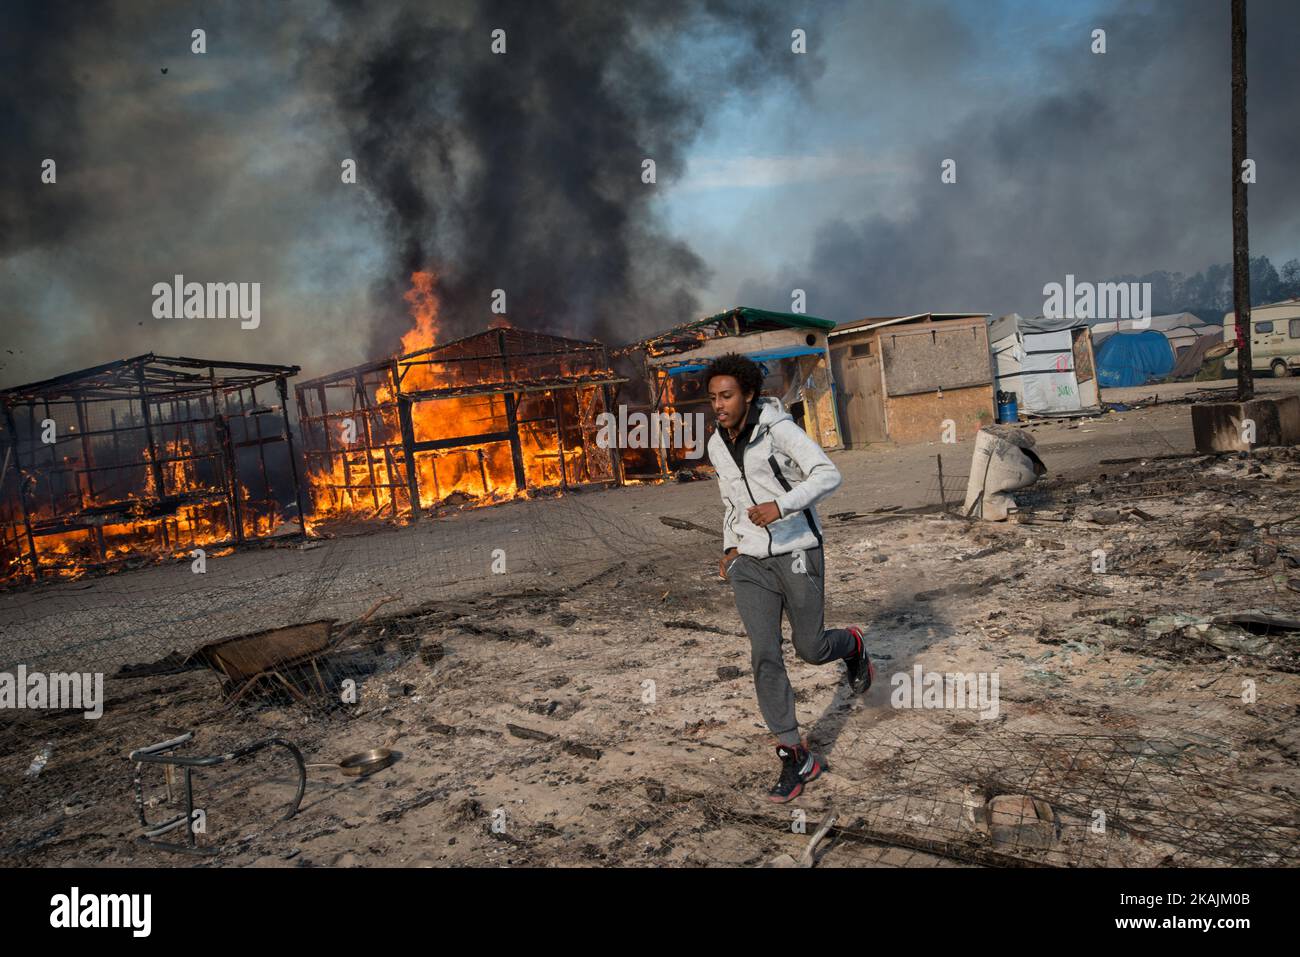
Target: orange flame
<point>424,310</point>
<point>368,481</point>
<point>74,553</point>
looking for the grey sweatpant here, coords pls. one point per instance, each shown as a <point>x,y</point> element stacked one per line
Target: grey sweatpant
<point>763,587</point>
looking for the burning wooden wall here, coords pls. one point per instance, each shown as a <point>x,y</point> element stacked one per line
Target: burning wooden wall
<point>471,422</point>
<point>146,456</point>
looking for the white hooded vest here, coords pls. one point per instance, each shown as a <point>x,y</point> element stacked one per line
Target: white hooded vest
<point>783,464</point>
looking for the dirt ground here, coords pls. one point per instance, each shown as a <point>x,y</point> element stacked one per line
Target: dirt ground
<point>593,704</point>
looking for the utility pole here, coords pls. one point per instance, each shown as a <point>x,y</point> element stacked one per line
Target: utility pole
<point>1240,231</point>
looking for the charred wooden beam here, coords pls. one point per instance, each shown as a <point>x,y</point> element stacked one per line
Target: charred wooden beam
<point>502,388</point>
<point>482,439</point>
<point>408,441</point>
<point>516,450</point>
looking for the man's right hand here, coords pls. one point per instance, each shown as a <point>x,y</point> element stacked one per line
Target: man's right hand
<point>723,562</point>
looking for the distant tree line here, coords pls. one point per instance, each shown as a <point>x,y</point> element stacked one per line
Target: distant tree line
<point>1208,294</point>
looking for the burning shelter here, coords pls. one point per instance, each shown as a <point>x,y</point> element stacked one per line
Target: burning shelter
<point>666,375</point>
<point>149,456</point>
<point>473,421</point>
<point>901,377</point>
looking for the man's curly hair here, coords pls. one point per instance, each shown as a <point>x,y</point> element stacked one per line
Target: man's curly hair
<point>743,370</point>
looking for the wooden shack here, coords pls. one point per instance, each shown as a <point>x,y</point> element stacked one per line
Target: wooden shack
<point>900,378</point>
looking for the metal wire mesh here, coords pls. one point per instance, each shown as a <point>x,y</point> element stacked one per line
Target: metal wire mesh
<point>516,703</point>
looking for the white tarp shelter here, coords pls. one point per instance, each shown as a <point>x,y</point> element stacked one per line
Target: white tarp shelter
<point>1047,363</point>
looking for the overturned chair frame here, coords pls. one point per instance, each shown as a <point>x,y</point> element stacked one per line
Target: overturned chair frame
<point>159,754</point>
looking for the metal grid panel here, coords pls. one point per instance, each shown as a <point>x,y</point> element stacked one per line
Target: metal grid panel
<point>142,457</point>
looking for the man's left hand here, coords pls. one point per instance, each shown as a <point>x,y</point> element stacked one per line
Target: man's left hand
<point>765,514</point>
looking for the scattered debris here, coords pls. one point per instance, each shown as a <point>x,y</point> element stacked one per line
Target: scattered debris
<point>1022,821</point>
<point>688,526</point>
<point>1250,632</point>
<point>1193,593</point>
<point>808,858</point>
<point>960,590</point>
<point>530,734</point>
<point>583,750</point>
<point>695,626</point>
<point>170,664</point>
<point>42,758</point>
<point>424,800</point>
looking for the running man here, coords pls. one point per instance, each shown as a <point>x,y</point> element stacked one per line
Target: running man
<point>770,474</point>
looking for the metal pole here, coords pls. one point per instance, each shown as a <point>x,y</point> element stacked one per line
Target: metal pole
<point>943,497</point>
<point>359,392</point>
<point>54,464</point>
<point>117,452</point>
<point>656,403</point>
<point>22,495</point>
<point>1240,231</point>
<point>154,465</point>
<point>324,423</point>
<point>305,426</point>
<point>261,449</point>
<point>282,387</point>
<point>559,433</point>
<point>229,474</point>
<point>86,453</point>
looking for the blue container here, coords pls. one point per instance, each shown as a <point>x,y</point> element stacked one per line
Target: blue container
<point>1008,410</point>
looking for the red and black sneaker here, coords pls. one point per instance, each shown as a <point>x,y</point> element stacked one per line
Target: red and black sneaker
<point>798,767</point>
<point>861,671</point>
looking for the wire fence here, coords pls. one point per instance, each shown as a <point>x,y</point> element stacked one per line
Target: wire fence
<point>514,704</point>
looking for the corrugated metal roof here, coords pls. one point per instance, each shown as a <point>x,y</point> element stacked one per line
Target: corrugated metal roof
<point>861,325</point>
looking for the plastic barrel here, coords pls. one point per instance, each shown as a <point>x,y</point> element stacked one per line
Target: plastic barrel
<point>1008,410</point>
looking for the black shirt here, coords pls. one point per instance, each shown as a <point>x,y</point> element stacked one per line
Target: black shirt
<point>737,447</point>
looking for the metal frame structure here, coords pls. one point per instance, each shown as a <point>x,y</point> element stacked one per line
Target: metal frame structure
<point>160,753</point>
<point>127,458</point>
<point>377,402</point>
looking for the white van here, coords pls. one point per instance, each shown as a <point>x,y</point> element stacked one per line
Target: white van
<point>1274,338</point>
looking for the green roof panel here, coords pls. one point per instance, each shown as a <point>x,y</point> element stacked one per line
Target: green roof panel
<point>750,315</point>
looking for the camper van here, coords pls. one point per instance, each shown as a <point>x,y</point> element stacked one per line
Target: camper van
<point>1274,338</point>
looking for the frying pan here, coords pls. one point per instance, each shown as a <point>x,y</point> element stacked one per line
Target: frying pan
<point>362,763</point>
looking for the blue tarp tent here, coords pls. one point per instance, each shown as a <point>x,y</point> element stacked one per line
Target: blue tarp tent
<point>1133,358</point>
